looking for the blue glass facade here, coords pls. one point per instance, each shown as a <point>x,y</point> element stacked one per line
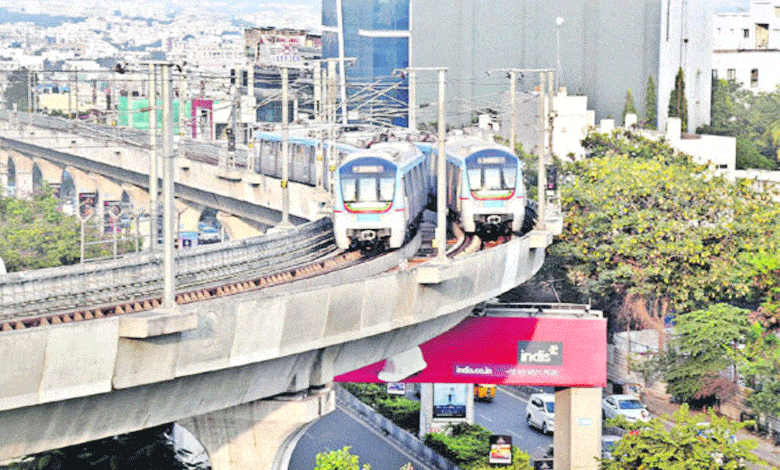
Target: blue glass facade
<point>377,57</point>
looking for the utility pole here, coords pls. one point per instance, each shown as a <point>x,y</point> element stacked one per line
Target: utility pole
<point>29,91</point>
<point>413,100</point>
<point>169,301</point>
<point>441,166</point>
<point>285,152</point>
<point>541,155</point>
<point>153,156</point>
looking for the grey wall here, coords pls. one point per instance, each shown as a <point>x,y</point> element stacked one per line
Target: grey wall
<point>607,47</point>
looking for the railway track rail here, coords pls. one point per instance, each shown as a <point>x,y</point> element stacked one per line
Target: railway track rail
<point>27,297</point>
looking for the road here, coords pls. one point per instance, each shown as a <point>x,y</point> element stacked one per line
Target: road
<point>506,415</point>
<point>338,429</point>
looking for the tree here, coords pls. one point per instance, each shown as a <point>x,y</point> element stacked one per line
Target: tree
<point>704,346</point>
<point>651,113</point>
<point>340,459</point>
<point>35,234</point>
<point>468,446</point>
<point>747,156</point>
<point>678,105</point>
<point>749,116</point>
<point>17,90</point>
<point>688,445</point>
<point>629,107</point>
<point>654,234</point>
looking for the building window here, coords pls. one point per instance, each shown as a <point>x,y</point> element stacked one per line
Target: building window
<point>746,33</point>
<point>714,74</point>
<point>754,78</point>
<point>731,74</point>
<point>762,35</point>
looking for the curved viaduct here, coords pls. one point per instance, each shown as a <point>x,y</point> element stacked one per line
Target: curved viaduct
<point>212,364</point>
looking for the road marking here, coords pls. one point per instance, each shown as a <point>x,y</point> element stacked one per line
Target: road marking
<point>481,416</point>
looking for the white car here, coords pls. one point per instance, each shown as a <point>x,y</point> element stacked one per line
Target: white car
<point>540,412</point>
<point>627,406</point>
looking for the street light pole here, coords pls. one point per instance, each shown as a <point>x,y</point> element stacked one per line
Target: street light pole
<point>441,206</point>
<point>169,301</point>
<point>441,161</point>
<point>558,22</point>
<point>285,152</point>
<point>153,156</point>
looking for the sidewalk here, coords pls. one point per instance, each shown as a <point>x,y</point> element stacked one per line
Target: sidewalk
<point>766,450</point>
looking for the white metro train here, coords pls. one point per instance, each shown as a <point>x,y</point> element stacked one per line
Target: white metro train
<point>485,186</point>
<point>380,194</point>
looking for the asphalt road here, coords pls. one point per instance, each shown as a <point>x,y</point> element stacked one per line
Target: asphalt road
<point>506,415</point>
<point>338,429</point>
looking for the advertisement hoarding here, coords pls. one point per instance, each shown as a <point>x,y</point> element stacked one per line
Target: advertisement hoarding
<point>542,351</point>
<point>449,400</point>
<point>500,450</point>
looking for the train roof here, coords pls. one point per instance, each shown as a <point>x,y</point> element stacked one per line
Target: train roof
<point>462,147</point>
<point>396,152</point>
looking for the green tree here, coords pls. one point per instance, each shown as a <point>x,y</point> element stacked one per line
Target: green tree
<point>705,344</point>
<point>652,234</point>
<point>629,107</point>
<point>651,110</point>
<point>687,445</point>
<point>678,105</point>
<point>747,156</point>
<point>468,446</point>
<point>35,234</point>
<point>340,459</point>
<point>17,90</point>
<point>760,367</point>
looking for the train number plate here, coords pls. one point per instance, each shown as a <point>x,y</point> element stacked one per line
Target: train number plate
<point>493,204</point>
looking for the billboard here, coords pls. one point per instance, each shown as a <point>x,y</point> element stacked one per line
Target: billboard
<point>87,203</point>
<point>500,450</point>
<point>542,351</point>
<point>449,400</point>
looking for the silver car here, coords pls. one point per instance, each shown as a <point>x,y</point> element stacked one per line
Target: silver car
<point>627,406</point>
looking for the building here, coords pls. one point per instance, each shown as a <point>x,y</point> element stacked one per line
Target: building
<point>746,46</point>
<point>606,48</point>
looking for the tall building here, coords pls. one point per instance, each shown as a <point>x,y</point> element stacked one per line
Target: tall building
<point>746,46</point>
<point>606,47</point>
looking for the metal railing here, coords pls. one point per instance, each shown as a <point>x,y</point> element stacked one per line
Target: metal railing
<point>38,292</point>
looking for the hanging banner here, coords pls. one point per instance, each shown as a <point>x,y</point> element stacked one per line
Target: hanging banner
<point>543,351</point>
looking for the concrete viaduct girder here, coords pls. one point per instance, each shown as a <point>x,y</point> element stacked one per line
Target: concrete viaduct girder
<point>76,382</point>
<point>240,192</point>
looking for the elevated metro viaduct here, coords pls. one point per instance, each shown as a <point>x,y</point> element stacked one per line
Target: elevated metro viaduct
<point>213,364</point>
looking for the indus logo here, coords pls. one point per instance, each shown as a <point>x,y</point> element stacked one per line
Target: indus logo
<point>540,353</point>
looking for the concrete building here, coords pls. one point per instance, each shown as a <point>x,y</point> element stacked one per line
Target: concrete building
<point>606,48</point>
<point>746,46</point>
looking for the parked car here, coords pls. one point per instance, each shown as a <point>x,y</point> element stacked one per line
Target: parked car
<point>484,392</point>
<point>608,442</point>
<point>540,412</point>
<point>627,406</point>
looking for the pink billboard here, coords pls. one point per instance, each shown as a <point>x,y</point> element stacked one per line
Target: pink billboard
<point>562,352</point>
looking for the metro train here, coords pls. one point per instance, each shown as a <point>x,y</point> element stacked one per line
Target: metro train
<point>484,187</point>
<point>303,157</point>
<point>380,194</point>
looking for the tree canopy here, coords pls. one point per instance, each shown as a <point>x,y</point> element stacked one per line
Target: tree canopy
<point>651,113</point>
<point>647,227</point>
<point>689,444</point>
<point>678,103</point>
<point>752,118</point>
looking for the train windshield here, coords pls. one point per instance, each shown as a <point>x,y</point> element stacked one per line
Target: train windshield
<point>493,175</point>
<point>367,185</point>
